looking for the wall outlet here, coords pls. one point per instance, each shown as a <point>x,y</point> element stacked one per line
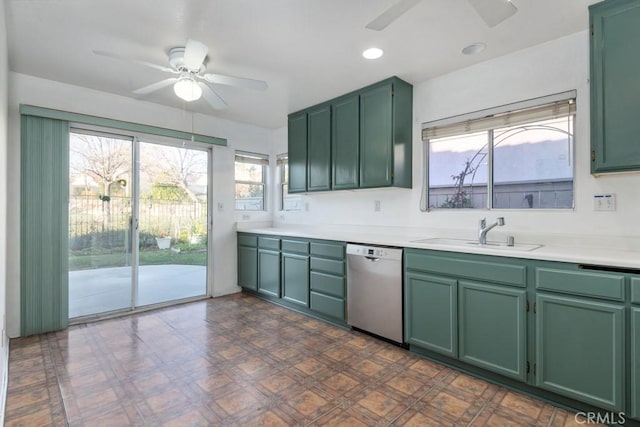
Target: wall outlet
<point>220,207</point>
<point>376,205</point>
<point>604,202</point>
<point>306,206</point>
<point>246,217</point>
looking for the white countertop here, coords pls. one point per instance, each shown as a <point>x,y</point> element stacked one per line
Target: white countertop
<point>615,252</point>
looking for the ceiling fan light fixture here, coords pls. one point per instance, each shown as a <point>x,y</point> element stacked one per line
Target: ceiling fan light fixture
<point>373,53</point>
<point>187,88</point>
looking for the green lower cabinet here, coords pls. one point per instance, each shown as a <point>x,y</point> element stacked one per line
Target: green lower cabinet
<point>269,272</point>
<point>580,349</point>
<point>328,305</point>
<point>492,330</point>
<point>248,267</point>
<point>431,313</point>
<point>295,278</point>
<point>635,363</point>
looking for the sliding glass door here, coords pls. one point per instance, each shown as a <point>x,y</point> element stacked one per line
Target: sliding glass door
<point>138,223</point>
<point>100,273</point>
<point>173,212</point>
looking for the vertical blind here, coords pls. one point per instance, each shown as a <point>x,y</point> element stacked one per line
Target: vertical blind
<point>44,188</point>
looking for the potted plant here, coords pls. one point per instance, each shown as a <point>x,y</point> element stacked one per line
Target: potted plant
<point>163,240</point>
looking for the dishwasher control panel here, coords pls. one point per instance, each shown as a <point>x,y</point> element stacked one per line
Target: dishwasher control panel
<point>374,251</point>
<point>366,251</point>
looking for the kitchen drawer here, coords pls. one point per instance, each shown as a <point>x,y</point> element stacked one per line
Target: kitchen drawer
<point>328,305</point>
<point>269,243</point>
<point>295,246</point>
<point>583,282</point>
<point>328,250</point>
<point>467,267</point>
<point>327,284</point>
<point>247,240</point>
<point>635,290</point>
<point>327,266</point>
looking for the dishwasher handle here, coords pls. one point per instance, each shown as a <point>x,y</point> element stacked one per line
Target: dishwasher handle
<point>371,258</point>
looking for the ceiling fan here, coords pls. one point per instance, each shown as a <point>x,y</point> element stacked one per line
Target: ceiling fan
<point>189,64</point>
<point>492,12</point>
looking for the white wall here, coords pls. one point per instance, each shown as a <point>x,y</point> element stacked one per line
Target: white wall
<point>44,93</point>
<point>553,67</point>
<point>4,343</point>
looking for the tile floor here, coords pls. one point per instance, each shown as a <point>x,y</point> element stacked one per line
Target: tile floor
<point>237,360</point>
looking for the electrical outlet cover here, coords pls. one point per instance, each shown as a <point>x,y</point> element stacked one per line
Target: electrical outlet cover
<point>604,202</point>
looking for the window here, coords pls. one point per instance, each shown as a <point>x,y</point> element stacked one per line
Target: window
<point>288,202</point>
<point>250,172</point>
<point>513,157</point>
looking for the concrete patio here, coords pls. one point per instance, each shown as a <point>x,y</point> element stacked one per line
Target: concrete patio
<point>108,289</point>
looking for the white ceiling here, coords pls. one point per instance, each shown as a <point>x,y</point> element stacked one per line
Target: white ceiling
<point>307,50</point>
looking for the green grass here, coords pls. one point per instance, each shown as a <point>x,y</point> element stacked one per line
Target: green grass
<point>158,257</point>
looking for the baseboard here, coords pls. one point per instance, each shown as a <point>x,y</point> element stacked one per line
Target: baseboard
<point>227,291</point>
<point>5,376</point>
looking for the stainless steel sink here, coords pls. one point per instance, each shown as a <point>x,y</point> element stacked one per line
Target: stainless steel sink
<point>464,243</point>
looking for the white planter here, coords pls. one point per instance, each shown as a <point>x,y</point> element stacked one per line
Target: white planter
<point>163,242</point>
<point>196,239</point>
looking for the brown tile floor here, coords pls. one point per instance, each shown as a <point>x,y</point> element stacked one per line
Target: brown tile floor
<point>237,360</point>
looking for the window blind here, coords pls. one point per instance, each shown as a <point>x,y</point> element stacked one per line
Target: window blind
<point>476,122</point>
<point>252,158</point>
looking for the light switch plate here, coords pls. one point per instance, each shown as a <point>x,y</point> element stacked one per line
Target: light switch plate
<point>604,202</point>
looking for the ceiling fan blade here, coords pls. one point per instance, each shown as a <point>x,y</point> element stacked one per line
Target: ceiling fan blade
<point>236,81</point>
<point>493,12</point>
<point>391,14</point>
<point>194,54</point>
<point>213,98</point>
<point>155,86</point>
<point>136,61</point>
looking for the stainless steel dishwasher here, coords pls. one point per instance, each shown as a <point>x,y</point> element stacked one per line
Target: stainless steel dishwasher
<point>374,290</point>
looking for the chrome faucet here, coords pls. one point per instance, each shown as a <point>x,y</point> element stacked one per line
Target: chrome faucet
<point>483,229</point>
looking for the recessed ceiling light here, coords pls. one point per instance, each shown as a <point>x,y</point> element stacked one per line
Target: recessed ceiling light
<point>372,53</point>
<point>474,48</point>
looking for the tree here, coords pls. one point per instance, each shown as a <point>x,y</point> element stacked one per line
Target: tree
<point>169,166</point>
<point>105,160</point>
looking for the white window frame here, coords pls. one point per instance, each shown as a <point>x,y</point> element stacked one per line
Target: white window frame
<point>253,158</point>
<point>494,118</point>
<point>282,161</point>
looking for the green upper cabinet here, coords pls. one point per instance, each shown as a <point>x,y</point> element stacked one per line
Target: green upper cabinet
<point>376,123</point>
<point>580,349</point>
<point>345,142</point>
<point>298,153</point>
<point>615,91</point>
<point>385,134</point>
<point>319,149</point>
<point>359,140</point>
